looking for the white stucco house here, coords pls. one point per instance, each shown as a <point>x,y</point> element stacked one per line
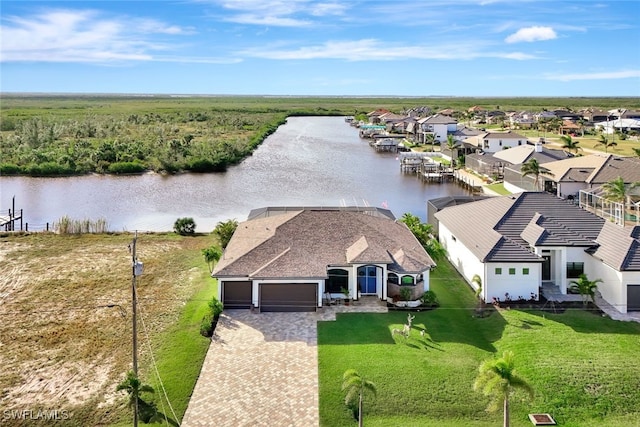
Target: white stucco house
<point>516,243</point>
<point>439,125</point>
<point>491,142</point>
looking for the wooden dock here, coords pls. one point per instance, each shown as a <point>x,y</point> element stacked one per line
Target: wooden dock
<point>469,181</point>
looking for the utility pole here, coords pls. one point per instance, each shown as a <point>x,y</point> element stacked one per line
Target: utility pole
<point>134,273</point>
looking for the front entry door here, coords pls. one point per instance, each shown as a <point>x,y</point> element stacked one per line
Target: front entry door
<point>546,267</point>
<point>367,279</point>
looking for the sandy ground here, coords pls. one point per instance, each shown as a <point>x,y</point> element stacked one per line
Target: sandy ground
<point>65,322</point>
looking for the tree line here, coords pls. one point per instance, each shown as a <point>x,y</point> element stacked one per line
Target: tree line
<point>132,143</point>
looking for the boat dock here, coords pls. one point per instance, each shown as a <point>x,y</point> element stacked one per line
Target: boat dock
<point>8,221</point>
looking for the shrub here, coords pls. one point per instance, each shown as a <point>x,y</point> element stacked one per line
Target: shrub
<point>405,293</point>
<point>224,231</point>
<point>209,321</point>
<point>10,169</point>
<point>205,165</point>
<point>184,226</point>
<point>126,167</point>
<point>216,307</point>
<point>49,169</point>
<point>429,298</point>
<point>206,326</point>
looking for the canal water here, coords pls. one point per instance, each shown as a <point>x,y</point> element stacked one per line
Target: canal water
<point>310,161</point>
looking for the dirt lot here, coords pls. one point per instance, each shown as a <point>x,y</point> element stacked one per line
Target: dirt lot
<point>65,316</point>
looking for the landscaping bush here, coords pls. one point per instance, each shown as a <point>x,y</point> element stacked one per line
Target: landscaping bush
<point>206,326</point>
<point>209,321</point>
<point>216,307</point>
<point>405,293</point>
<point>184,226</point>
<point>430,299</point>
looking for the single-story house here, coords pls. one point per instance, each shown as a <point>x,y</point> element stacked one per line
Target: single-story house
<point>621,125</point>
<point>516,243</point>
<point>495,163</point>
<point>290,258</point>
<point>566,178</point>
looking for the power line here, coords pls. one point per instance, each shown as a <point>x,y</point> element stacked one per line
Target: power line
<point>155,366</point>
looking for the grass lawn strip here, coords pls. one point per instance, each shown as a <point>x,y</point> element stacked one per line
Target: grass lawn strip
<point>584,368</point>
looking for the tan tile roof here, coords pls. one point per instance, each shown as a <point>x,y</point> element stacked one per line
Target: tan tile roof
<point>563,170</point>
<point>302,244</point>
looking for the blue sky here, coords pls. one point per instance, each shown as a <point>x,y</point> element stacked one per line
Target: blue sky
<point>328,47</point>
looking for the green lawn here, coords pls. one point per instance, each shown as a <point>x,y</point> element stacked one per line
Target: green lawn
<point>584,368</point>
<point>498,188</point>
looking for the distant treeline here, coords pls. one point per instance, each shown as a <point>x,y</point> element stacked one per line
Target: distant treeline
<point>70,135</point>
<point>163,142</point>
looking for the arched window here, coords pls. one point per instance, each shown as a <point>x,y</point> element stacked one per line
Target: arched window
<point>408,281</point>
<point>393,278</point>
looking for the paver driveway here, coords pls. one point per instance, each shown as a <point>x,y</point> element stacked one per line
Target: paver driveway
<point>261,370</point>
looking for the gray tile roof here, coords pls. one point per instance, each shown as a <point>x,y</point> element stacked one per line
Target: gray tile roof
<point>626,167</point>
<point>504,228</point>
<point>619,247</point>
<point>303,243</point>
<point>438,119</point>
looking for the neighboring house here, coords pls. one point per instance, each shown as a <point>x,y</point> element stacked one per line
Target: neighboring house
<point>491,142</point>
<point>517,243</point>
<point>566,178</point>
<point>522,120</point>
<point>374,116</point>
<point>438,125</point>
<point>592,115</point>
<point>621,125</point>
<point>491,164</point>
<point>287,258</point>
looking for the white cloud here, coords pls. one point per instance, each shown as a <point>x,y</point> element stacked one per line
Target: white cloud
<point>374,50</point>
<point>270,20</point>
<point>279,13</point>
<point>81,36</point>
<point>532,34</point>
<point>606,75</point>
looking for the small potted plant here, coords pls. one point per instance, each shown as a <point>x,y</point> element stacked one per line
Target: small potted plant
<point>347,298</point>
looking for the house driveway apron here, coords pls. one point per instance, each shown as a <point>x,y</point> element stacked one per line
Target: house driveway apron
<point>261,370</point>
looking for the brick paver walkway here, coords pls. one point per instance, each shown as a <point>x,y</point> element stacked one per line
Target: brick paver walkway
<point>261,370</point>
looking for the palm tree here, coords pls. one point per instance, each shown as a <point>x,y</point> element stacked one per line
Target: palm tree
<point>585,287</point>
<point>478,281</point>
<point>452,146</point>
<point>616,190</point>
<point>134,387</point>
<point>211,256</point>
<point>497,379</point>
<point>355,385</point>
<point>570,144</point>
<point>532,167</point>
<point>605,141</point>
<point>478,293</point>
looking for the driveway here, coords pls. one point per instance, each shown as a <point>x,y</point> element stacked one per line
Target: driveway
<point>261,370</point>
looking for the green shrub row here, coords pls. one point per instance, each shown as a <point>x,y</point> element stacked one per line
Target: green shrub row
<point>209,321</point>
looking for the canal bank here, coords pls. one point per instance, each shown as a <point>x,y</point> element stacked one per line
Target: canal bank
<point>308,161</point>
